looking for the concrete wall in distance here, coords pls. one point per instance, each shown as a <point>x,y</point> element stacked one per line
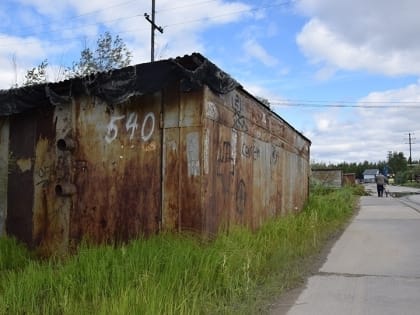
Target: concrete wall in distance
<point>331,178</point>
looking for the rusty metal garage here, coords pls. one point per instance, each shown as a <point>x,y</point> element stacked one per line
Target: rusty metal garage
<point>172,145</point>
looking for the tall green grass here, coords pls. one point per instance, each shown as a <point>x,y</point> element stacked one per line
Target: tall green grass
<point>174,274</point>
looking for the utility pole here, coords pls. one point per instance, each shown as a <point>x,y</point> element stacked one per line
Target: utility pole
<point>410,160</point>
<point>410,142</point>
<point>153,27</point>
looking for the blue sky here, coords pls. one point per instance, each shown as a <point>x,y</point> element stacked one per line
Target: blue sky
<point>344,73</point>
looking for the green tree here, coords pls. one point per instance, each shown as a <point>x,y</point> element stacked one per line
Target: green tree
<point>37,75</point>
<point>110,53</point>
<point>397,162</point>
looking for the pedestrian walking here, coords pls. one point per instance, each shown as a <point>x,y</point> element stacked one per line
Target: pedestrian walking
<point>380,182</point>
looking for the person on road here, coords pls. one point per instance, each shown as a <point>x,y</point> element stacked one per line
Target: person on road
<point>380,182</point>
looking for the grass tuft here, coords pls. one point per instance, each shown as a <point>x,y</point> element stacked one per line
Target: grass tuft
<point>175,274</point>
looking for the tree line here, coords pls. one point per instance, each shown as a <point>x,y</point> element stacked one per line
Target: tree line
<point>396,165</point>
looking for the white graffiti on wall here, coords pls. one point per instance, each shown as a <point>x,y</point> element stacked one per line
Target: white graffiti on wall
<point>151,117</point>
<point>131,125</point>
<point>112,129</point>
<point>193,154</point>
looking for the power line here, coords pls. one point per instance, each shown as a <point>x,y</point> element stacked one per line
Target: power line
<point>373,105</point>
<point>61,21</point>
<point>185,6</point>
<point>77,27</point>
<point>209,18</point>
<point>347,101</point>
<point>215,17</point>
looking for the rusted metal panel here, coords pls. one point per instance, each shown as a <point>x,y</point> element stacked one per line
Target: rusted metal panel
<point>349,179</point>
<point>262,183</point>
<point>33,215</point>
<point>276,196</point>
<point>49,231</point>
<point>191,215</point>
<point>182,167</point>
<point>248,152</point>
<point>21,157</point>
<point>4,169</point>
<point>180,159</point>
<point>212,210</point>
<point>328,177</point>
<point>225,162</point>
<point>117,169</point>
<point>261,164</point>
<point>171,161</point>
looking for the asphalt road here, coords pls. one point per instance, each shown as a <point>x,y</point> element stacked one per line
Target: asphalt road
<point>374,267</point>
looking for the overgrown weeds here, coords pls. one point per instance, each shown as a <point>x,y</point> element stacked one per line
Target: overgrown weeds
<point>175,274</point>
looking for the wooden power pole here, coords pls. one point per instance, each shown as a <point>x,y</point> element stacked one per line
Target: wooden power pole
<point>153,28</point>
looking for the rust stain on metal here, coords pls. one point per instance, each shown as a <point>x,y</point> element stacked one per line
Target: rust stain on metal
<point>4,170</point>
<point>174,160</point>
<point>260,167</point>
<point>117,170</point>
<point>171,160</point>
<point>19,221</point>
<point>190,168</point>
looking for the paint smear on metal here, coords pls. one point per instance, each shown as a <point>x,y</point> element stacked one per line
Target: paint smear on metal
<point>211,111</point>
<point>24,165</point>
<point>206,151</point>
<point>234,142</point>
<point>193,154</point>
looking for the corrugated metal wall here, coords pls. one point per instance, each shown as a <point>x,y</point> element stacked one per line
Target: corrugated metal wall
<point>117,169</point>
<point>328,177</point>
<point>182,165</point>
<point>255,165</point>
<point>190,161</point>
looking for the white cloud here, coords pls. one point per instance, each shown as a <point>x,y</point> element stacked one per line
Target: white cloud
<point>13,61</point>
<point>371,35</point>
<point>254,50</point>
<point>357,36</point>
<point>323,124</point>
<point>60,30</point>
<point>380,124</point>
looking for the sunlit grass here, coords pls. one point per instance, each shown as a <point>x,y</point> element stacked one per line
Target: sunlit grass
<point>174,274</point>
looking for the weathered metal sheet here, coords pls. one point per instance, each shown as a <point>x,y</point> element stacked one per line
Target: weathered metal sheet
<point>51,168</point>
<point>117,170</point>
<point>173,160</point>
<point>21,157</point>
<point>257,164</point>
<point>4,169</point>
<point>328,177</point>
<point>349,179</point>
<point>190,132</point>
